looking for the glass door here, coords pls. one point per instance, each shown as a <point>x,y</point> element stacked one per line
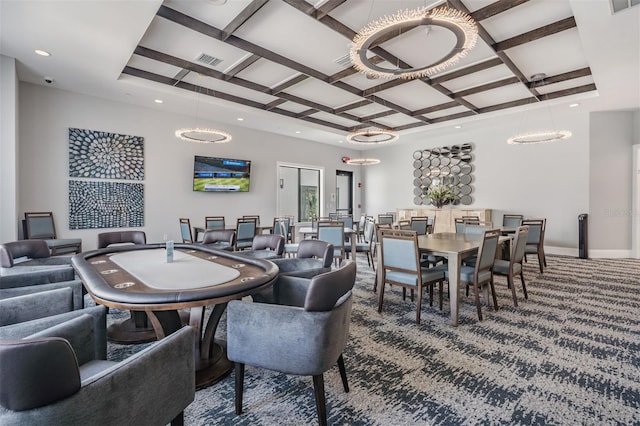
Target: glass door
<point>344,198</point>
<point>299,192</point>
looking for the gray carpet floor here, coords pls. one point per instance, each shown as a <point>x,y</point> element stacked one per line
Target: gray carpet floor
<point>569,355</point>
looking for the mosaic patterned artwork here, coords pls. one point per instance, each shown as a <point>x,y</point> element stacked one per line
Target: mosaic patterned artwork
<point>104,155</point>
<point>105,204</point>
<point>566,356</point>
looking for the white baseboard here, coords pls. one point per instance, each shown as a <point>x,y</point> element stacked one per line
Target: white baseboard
<point>593,254</point>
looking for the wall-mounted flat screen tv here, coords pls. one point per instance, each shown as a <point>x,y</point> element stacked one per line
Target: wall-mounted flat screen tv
<point>211,174</point>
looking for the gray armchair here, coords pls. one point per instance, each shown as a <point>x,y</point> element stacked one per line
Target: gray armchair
<point>314,257</point>
<point>55,377</point>
<point>32,306</point>
<point>266,246</point>
<point>27,267</point>
<point>305,333</point>
<point>221,239</point>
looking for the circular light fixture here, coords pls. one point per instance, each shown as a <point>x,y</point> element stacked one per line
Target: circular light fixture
<point>373,137</point>
<point>363,161</point>
<point>459,23</point>
<point>202,135</point>
<point>539,137</point>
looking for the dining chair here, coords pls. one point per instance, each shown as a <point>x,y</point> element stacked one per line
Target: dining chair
<point>401,266</point>
<point>40,226</point>
<point>405,224</point>
<point>246,229</point>
<point>360,227</point>
<point>385,218</point>
<point>252,216</point>
<point>459,224</point>
<point>535,240</point>
<point>509,268</point>
<point>419,224</point>
<point>431,224</point>
<point>333,232</point>
<point>281,227</point>
<point>214,222</point>
<point>304,332</point>
<point>366,246</point>
<point>333,216</point>
<point>471,219</point>
<point>185,230</point>
<point>511,220</point>
<point>480,276</point>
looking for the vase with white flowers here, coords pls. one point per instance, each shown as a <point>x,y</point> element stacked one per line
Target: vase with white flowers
<point>441,195</point>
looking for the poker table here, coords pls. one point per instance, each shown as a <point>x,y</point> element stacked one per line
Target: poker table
<point>139,278</point>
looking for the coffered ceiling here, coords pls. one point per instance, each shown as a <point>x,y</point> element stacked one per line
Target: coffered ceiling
<point>283,65</point>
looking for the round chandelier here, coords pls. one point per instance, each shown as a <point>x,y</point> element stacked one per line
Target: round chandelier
<point>373,137</point>
<point>539,137</point>
<point>363,161</point>
<point>203,135</point>
<point>459,23</point>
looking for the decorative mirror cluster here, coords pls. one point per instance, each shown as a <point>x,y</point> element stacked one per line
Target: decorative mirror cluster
<point>449,166</point>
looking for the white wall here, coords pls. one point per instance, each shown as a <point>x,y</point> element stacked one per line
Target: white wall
<point>8,149</point>
<point>46,114</point>
<point>545,180</point>
<point>612,137</point>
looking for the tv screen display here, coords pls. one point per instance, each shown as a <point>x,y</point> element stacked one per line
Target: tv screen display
<point>211,174</point>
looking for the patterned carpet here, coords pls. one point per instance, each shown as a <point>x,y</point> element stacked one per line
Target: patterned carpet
<point>570,355</point>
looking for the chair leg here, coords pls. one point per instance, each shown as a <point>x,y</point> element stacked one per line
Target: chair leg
<point>239,386</point>
<point>476,292</point>
<point>321,406</point>
<point>524,287</point>
<point>380,297</point>
<point>431,294</point>
<point>441,297</point>
<point>513,289</point>
<point>343,373</point>
<point>419,303</point>
<point>493,294</point>
<point>541,261</point>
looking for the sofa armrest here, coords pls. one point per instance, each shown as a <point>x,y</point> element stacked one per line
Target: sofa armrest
<point>75,285</point>
<point>35,306</point>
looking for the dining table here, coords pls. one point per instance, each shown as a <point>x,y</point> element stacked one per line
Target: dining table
<point>455,247</point>
<point>146,278</point>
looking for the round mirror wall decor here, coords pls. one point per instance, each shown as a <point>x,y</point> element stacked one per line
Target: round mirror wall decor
<point>450,166</point>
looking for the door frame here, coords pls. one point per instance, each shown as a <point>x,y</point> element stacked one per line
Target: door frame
<point>300,166</point>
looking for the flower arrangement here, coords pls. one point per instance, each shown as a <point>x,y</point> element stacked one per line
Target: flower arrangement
<point>441,195</point>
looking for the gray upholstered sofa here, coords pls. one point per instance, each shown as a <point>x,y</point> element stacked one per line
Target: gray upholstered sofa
<point>28,262</point>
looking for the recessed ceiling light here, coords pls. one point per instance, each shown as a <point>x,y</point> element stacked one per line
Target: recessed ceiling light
<point>573,105</point>
<point>217,2</point>
<point>42,52</point>
<point>158,101</point>
<point>240,119</point>
<point>457,127</point>
<point>298,132</point>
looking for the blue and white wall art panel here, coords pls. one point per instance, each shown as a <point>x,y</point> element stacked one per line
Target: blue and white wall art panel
<point>97,204</point>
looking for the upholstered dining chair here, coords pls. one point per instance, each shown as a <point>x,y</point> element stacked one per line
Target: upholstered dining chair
<point>511,220</point>
<point>509,268</point>
<point>40,225</point>
<point>303,333</point>
<point>459,224</point>
<point>420,224</point>
<point>185,230</point>
<point>480,276</point>
<point>214,222</point>
<point>400,265</point>
<point>385,218</point>
<point>221,239</point>
<point>246,229</point>
<point>281,227</point>
<point>535,240</point>
<point>367,245</point>
<point>333,233</point>
<point>404,224</point>
<point>55,376</point>
<point>254,217</point>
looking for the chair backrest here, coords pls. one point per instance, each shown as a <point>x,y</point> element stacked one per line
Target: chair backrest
<point>473,220</point>
<point>460,225</point>
<point>219,236</point>
<point>379,227</point>
<point>269,242</point>
<point>347,220</point>
<point>253,216</point>
<point>536,231</point>
<point>519,244</point>
<point>487,251</point>
<point>385,218</point>
<point>511,220</point>
<point>33,249</point>
<point>332,232</point>
<point>399,254</point>
<point>431,224</point>
<point>185,230</point>
<point>316,249</point>
<point>214,222</point>
<point>40,225</point>
<point>475,229</point>
<point>105,239</point>
<point>325,290</point>
<point>333,216</point>
<point>404,224</point>
<point>419,224</point>
<point>281,226</point>
<point>369,229</point>
<point>246,229</point>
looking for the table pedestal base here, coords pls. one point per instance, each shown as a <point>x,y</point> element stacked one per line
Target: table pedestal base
<point>133,330</point>
<point>214,369</point>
